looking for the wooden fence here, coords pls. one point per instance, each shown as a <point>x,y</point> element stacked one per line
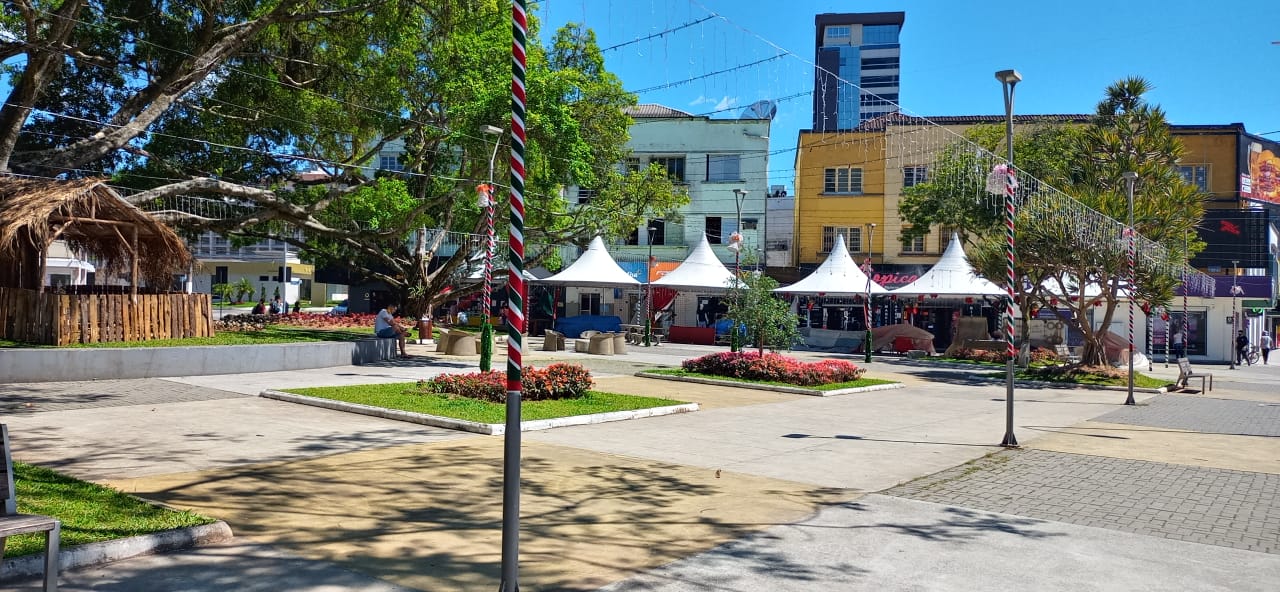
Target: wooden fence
<point>62,319</point>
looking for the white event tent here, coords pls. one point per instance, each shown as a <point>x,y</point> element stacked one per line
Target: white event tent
<point>594,269</point>
<point>839,275</point>
<point>951,276</point>
<point>701,271</point>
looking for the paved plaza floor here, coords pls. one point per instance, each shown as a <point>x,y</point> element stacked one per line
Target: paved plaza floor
<point>889,490</point>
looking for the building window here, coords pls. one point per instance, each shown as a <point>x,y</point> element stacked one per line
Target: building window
<point>674,166</point>
<point>715,225</point>
<point>912,245</point>
<point>843,180</point>
<point>1196,175</point>
<point>914,175</point>
<point>585,195</point>
<point>632,165</point>
<point>880,63</point>
<point>219,274</point>
<point>838,31</point>
<point>658,236</point>
<point>750,223</point>
<point>852,238</point>
<point>390,162</point>
<point>723,167</point>
<point>876,34</point>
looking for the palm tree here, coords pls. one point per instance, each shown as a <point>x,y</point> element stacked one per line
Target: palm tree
<point>243,288</point>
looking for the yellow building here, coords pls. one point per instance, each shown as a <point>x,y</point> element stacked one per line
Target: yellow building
<point>840,186</point>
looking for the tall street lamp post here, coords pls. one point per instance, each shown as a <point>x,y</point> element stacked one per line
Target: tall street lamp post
<point>1129,179</point>
<point>648,299</point>
<point>486,329</point>
<point>866,307</point>
<point>1008,80</point>
<point>740,195</point>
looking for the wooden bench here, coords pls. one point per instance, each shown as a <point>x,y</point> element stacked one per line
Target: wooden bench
<point>12,523</point>
<point>1185,373</point>
<point>1064,354</point>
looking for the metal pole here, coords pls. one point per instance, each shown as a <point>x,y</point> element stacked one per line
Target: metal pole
<point>1235,318</point>
<point>648,300</point>
<point>516,292</point>
<point>1129,179</point>
<point>1186,321</point>
<point>1009,79</point>
<point>740,195</point>
<point>866,309</point>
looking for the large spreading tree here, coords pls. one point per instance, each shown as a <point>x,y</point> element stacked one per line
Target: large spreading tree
<point>1126,133</point>
<point>235,101</point>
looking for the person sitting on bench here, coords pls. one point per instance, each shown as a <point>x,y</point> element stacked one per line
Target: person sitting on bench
<point>386,327</point>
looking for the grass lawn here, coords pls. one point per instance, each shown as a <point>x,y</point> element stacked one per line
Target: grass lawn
<point>269,334</point>
<point>89,512</point>
<point>406,397</point>
<point>1139,380</point>
<point>821,387</point>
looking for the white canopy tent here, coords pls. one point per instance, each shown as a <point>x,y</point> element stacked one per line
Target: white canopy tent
<point>839,275</point>
<point>701,271</point>
<point>951,276</point>
<point>594,269</point>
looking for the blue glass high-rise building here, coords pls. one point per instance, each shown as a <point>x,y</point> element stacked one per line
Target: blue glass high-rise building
<point>858,57</point>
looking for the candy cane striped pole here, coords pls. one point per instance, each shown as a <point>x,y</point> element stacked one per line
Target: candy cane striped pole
<point>516,292</point>
<point>1010,209</point>
<point>490,246</point>
<point>1008,80</point>
<point>1129,179</point>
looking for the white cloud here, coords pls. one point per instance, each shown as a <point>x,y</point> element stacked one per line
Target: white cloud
<point>701,100</point>
<point>726,103</point>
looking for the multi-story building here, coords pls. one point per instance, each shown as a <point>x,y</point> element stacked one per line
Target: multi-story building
<point>715,160</point>
<point>221,262</point>
<point>858,63</point>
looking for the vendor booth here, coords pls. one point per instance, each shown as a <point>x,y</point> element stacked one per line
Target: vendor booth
<point>945,300</point>
<point>831,301</point>
<point>594,275</point>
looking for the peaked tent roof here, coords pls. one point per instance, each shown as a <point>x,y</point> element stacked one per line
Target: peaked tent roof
<point>595,268</point>
<point>701,270</point>
<point>838,275</point>
<point>952,276</point>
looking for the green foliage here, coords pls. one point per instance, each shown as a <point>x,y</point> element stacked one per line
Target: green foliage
<point>224,292</point>
<point>769,320</point>
<point>243,288</point>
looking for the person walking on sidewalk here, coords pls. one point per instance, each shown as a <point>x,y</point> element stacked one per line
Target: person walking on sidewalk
<point>1265,345</point>
<point>1242,348</point>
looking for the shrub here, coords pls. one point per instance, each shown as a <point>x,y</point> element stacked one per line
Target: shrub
<point>998,356</point>
<point>557,381</point>
<point>252,322</point>
<point>775,368</point>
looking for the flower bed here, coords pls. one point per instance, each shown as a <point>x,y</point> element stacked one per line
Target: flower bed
<point>252,322</point>
<point>557,381</point>
<point>998,356</point>
<point>774,367</point>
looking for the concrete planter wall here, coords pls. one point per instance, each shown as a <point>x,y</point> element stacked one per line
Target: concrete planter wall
<point>49,365</point>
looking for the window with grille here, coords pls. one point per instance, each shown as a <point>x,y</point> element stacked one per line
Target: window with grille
<point>852,238</point>
<point>1196,175</point>
<point>912,245</point>
<point>914,175</point>
<point>390,162</point>
<point>842,180</point>
<point>585,194</point>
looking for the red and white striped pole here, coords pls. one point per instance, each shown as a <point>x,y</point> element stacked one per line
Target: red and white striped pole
<point>1129,179</point>
<point>1008,80</point>
<point>516,293</point>
<point>490,245</point>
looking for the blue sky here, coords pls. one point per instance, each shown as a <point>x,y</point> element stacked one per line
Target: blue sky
<point>1210,62</point>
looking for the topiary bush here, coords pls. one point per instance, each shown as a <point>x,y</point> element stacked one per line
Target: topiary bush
<point>557,381</point>
<point>775,368</point>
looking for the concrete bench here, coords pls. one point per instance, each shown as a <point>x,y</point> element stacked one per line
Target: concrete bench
<point>12,523</point>
<point>1185,374</point>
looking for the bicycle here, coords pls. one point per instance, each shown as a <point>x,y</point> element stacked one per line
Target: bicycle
<point>1253,355</point>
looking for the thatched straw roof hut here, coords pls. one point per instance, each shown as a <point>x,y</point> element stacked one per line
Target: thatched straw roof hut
<point>90,217</point>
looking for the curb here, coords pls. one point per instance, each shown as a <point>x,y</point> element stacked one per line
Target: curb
<point>985,368</point>
<point>489,429</point>
<point>30,566</point>
<point>795,390</point>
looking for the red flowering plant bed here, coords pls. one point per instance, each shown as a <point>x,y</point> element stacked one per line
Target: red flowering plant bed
<point>557,381</point>
<point>1039,357</point>
<point>774,367</point>
<point>310,320</point>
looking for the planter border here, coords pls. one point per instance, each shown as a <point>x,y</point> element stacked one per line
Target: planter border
<point>795,390</point>
<point>1049,383</point>
<point>490,429</point>
<point>89,554</point>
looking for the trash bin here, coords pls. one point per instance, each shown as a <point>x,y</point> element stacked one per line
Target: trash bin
<point>424,329</point>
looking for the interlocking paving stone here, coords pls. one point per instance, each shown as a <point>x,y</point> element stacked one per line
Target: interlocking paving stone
<point>1214,506</point>
<point>1219,416</point>
<point>61,396</point>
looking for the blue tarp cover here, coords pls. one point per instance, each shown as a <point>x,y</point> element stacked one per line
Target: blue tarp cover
<point>572,327</point>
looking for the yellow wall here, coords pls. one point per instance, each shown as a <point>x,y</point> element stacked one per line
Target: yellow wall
<point>1218,150</point>
<point>814,210</point>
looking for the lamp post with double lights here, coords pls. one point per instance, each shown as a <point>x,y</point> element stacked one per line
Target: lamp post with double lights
<point>648,299</point>
<point>490,244</point>
<point>1008,80</point>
